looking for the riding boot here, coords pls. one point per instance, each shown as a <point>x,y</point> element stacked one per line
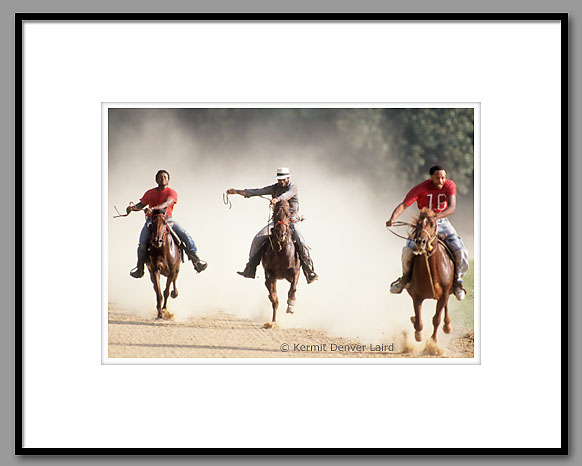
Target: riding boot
<point>138,271</point>
<point>398,285</point>
<point>199,264</point>
<point>251,267</point>
<point>307,265</point>
<point>461,267</point>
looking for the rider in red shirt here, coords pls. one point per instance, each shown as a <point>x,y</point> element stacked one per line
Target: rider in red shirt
<point>161,198</point>
<point>439,194</point>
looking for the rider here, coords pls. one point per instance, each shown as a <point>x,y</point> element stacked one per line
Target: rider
<point>161,198</point>
<point>440,195</point>
<point>283,190</point>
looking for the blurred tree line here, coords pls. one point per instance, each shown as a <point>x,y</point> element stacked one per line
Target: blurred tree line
<point>396,145</point>
<point>407,142</point>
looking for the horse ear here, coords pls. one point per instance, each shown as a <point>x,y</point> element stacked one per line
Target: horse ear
<point>272,230</point>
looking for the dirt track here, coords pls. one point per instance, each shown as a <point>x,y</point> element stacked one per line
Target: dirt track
<point>227,336</point>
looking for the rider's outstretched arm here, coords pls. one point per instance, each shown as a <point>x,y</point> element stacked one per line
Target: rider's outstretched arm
<point>397,213</point>
<point>253,192</point>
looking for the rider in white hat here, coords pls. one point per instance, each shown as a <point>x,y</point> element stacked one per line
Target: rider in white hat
<point>286,190</point>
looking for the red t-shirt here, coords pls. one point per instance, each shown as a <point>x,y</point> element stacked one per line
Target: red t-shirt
<point>427,195</point>
<point>153,197</point>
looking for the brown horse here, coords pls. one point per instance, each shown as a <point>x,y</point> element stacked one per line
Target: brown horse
<point>432,274</point>
<point>280,260</point>
<point>163,259</point>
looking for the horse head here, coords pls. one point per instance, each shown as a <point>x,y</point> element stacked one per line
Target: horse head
<point>425,231</point>
<point>158,227</point>
<point>281,222</point>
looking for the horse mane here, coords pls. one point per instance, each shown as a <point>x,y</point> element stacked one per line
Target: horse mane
<point>425,212</point>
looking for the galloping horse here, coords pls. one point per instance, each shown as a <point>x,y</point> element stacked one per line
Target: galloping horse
<point>280,259</point>
<point>163,259</point>
<point>432,273</point>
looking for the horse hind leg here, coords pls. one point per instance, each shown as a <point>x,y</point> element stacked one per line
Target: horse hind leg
<point>174,293</point>
<point>448,328</point>
<point>436,320</point>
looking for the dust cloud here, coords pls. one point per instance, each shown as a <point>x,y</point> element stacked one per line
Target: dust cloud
<point>354,254</point>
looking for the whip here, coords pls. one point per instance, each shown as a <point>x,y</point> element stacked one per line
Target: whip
<point>120,214</point>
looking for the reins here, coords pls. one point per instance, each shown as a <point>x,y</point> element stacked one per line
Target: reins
<point>400,224</point>
<point>429,274</point>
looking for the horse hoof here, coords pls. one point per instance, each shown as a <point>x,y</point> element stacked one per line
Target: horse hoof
<point>290,310</point>
<point>168,315</point>
<point>174,294</point>
<point>432,348</point>
<point>448,328</point>
<point>271,325</point>
<point>418,336</point>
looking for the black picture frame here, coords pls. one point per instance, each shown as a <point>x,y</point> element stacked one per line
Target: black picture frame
<point>20,18</point>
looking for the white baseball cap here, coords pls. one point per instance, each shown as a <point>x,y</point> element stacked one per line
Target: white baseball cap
<point>282,173</point>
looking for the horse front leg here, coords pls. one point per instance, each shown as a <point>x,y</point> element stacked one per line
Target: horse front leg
<point>167,315</point>
<point>155,277</point>
<point>271,284</point>
<point>417,319</point>
<point>291,295</point>
<point>436,320</point>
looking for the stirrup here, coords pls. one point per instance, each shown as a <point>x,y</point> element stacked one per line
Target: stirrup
<point>137,272</point>
<point>311,277</point>
<point>459,291</point>
<point>397,286</point>
<point>200,266</point>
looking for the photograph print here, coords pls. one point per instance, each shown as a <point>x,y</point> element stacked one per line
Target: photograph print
<point>292,233</point>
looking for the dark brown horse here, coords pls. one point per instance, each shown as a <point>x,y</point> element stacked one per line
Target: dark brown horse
<point>433,272</point>
<point>163,259</point>
<point>280,259</point>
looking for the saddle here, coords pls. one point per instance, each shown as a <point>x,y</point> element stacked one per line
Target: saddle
<point>448,250</point>
<point>449,253</point>
<point>452,256</point>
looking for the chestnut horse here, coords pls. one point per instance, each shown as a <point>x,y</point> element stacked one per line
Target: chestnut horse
<point>280,260</point>
<point>433,272</point>
<point>163,259</point>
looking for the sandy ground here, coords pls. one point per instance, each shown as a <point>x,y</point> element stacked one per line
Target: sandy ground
<point>222,335</point>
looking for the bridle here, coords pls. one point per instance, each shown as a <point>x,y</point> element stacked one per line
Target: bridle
<point>275,225</point>
<point>427,251</point>
<point>165,233</point>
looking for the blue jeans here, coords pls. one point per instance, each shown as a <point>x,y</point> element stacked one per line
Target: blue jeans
<point>146,233</point>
